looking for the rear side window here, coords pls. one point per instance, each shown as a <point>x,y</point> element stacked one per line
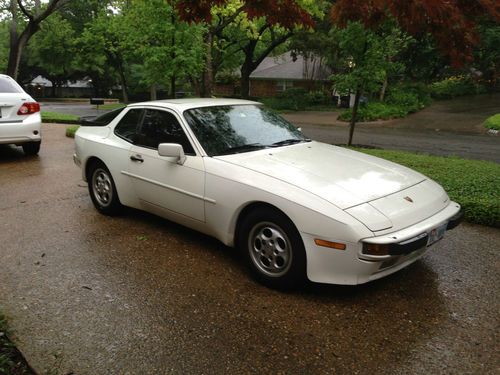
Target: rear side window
<point>162,127</point>
<point>127,126</point>
<point>8,86</point>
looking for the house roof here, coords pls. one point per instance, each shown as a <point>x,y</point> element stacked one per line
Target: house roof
<point>41,81</point>
<point>287,67</point>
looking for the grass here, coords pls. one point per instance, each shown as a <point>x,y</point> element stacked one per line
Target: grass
<point>111,106</point>
<point>475,184</point>
<point>11,360</point>
<point>71,130</point>
<point>493,122</point>
<point>62,118</point>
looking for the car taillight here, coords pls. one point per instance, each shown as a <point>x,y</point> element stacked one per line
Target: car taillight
<point>29,108</point>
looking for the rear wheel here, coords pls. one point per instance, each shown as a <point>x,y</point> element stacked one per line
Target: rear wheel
<point>31,148</point>
<point>273,249</point>
<point>102,190</point>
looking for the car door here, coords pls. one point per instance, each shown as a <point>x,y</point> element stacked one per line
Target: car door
<point>161,181</point>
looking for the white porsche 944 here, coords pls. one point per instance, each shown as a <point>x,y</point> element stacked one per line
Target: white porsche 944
<point>296,208</point>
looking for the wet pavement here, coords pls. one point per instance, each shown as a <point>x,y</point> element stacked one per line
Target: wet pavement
<point>136,294</point>
<point>446,128</point>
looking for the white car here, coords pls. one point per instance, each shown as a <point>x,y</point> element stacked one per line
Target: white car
<point>20,120</point>
<point>297,209</point>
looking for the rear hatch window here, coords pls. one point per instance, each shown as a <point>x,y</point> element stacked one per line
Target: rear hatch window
<point>8,86</point>
<point>102,120</point>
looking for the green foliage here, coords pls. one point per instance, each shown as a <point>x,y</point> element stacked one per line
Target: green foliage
<point>452,87</point>
<point>493,122</point>
<point>376,111</point>
<point>71,130</point>
<point>4,46</point>
<point>11,361</point>
<point>368,58</point>
<point>163,47</point>
<point>51,50</point>
<point>299,99</point>
<point>401,100</point>
<point>472,183</point>
<point>487,53</point>
<point>62,118</point>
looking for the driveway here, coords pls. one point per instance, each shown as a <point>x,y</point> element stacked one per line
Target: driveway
<point>135,294</point>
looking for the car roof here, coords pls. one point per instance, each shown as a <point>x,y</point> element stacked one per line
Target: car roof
<point>189,103</point>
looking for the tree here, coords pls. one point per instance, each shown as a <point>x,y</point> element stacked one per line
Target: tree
<point>367,58</point>
<point>451,23</point>
<point>24,23</point>
<point>52,52</point>
<point>276,19</point>
<point>168,48</point>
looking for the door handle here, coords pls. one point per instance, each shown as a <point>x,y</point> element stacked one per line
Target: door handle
<point>137,158</point>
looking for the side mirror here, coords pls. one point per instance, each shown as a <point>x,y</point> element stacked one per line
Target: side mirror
<point>172,150</point>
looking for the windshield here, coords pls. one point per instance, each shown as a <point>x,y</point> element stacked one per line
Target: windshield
<point>223,130</point>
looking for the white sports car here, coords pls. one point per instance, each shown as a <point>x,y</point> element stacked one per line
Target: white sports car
<point>297,209</point>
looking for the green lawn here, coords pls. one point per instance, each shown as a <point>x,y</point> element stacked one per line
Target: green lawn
<point>111,106</point>
<point>493,122</point>
<point>71,130</point>
<point>62,118</point>
<point>475,184</point>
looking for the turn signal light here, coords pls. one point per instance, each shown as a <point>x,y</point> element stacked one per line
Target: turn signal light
<point>331,245</point>
<point>375,249</point>
<point>29,108</point>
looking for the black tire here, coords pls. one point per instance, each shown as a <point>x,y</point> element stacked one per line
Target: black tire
<point>31,148</point>
<point>102,190</point>
<point>273,249</point>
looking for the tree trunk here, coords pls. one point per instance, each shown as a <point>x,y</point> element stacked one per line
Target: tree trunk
<point>245,83</point>
<point>123,84</point>
<point>172,86</point>
<point>207,81</point>
<point>354,116</point>
<point>383,90</point>
<point>153,92</point>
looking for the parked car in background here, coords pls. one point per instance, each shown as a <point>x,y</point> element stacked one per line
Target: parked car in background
<point>20,120</point>
<point>296,208</point>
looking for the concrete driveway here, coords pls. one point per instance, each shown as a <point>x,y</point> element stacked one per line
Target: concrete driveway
<point>89,294</point>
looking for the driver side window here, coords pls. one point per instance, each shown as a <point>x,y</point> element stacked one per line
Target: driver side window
<point>162,127</point>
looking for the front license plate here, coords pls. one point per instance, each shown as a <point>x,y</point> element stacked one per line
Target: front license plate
<point>436,234</point>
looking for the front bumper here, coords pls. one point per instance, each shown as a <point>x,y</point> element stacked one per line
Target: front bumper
<point>352,267</point>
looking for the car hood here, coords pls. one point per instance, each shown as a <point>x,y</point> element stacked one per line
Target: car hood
<point>341,176</point>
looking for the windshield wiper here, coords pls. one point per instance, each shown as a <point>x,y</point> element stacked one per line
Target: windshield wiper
<point>289,142</point>
<point>243,148</point>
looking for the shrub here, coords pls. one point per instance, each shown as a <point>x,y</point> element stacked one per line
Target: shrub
<point>298,99</point>
<point>455,86</point>
<point>71,130</point>
<point>412,97</point>
<point>493,122</point>
<point>376,111</point>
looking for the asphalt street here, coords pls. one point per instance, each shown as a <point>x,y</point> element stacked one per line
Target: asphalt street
<point>136,294</point>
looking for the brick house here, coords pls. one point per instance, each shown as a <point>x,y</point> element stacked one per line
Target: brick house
<point>277,74</point>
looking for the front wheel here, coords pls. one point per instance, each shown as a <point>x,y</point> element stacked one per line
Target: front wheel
<point>102,190</point>
<point>273,249</point>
